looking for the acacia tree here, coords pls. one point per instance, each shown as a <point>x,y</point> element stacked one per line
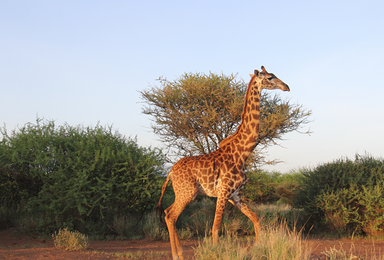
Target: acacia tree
<point>195,112</point>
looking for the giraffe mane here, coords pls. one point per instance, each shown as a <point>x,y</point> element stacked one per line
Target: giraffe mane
<point>230,138</point>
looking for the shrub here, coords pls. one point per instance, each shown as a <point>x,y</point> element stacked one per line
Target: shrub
<point>371,202</point>
<point>70,240</point>
<point>345,195</point>
<point>127,225</point>
<point>338,210</point>
<point>270,187</point>
<point>152,228</point>
<point>77,176</point>
<point>198,216</point>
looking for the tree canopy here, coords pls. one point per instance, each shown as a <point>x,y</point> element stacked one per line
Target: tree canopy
<point>195,112</point>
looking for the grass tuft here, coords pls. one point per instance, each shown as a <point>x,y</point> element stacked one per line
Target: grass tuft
<point>336,254</point>
<point>70,240</point>
<point>276,241</point>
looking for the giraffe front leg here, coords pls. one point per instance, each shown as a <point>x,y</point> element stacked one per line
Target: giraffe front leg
<point>220,205</point>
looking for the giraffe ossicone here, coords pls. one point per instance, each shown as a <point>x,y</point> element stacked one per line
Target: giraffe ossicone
<point>220,173</point>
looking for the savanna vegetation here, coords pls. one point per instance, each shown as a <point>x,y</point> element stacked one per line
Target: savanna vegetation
<point>69,181</point>
<point>78,180</point>
<point>96,181</point>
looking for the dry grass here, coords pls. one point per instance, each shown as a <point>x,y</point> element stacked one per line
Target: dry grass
<point>341,254</point>
<point>70,240</point>
<point>141,255</point>
<point>276,241</point>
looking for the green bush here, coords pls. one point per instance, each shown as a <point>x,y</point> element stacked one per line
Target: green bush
<point>77,176</point>
<point>270,187</point>
<point>198,216</point>
<point>345,195</point>
<point>371,201</point>
<point>152,228</point>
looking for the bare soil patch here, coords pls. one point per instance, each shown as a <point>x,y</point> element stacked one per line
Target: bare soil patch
<point>13,247</point>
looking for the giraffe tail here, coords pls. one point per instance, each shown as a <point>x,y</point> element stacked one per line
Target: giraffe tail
<point>159,207</point>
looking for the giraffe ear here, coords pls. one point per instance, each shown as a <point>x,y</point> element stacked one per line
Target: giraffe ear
<point>263,69</point>
<point>252,75</point>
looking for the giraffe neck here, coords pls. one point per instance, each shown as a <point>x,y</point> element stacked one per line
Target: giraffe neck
<point>248,130</point>
<point>245,138</point>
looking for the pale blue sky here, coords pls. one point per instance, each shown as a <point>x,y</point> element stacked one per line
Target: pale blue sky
<point>83,62</point>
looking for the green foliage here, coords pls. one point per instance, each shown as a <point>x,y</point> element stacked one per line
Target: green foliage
<point>371,201</point>
<point>77,175</point>
<point>338,208</point>
<point>70,240</point>
<point>152,228</point>
<point>270,187</point>
<point>25,161</point>
<point>7,216</point>
<point>346,195</point>
<point>198,216</point>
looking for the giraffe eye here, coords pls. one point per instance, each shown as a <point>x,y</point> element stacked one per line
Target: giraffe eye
<point>270,78</point>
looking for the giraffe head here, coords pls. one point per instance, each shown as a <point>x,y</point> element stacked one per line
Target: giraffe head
<point>267,80</point>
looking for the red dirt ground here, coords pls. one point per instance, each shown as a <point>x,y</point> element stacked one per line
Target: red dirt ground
<point>12,247</point>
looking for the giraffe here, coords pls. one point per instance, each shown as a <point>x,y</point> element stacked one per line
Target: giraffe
<point>220,173</point>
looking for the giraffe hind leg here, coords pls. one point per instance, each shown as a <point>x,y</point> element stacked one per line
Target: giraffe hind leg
<point>172,213</point>
<point>240,204</point>
<point>170,220</point>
